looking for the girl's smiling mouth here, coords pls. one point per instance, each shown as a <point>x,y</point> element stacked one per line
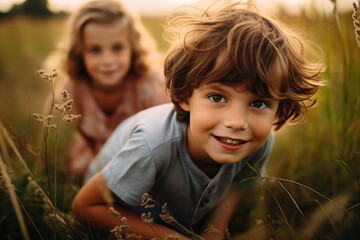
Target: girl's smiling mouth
<point>108,72</point>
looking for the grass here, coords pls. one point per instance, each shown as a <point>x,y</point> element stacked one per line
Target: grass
<point>312,187</point>
<point>323,153</point>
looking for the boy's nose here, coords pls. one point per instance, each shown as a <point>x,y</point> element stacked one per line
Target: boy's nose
<point>237,120</point>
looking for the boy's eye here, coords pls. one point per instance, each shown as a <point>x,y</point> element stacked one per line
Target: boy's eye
<point>259,104</point>
<point>217,98</point>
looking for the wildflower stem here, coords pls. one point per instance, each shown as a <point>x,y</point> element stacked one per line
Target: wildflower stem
<point>46,134</point>
<point>152,229</point>
<point>55,172</point>
<point>46,162</point>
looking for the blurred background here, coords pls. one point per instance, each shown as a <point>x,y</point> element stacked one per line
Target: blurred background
<point>312,186</point>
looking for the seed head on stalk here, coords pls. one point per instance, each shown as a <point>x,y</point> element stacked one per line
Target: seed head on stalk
<point>356,19</point>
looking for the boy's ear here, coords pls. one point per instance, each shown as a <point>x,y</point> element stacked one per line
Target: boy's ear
<point>185,106</point>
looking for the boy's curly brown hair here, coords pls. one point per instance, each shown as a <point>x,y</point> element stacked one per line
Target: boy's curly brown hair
<point>234,44</point>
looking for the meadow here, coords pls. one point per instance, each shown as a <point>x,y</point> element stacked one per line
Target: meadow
<point>312,186</point>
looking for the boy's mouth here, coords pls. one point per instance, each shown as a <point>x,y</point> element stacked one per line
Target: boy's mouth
<point>231,141</point>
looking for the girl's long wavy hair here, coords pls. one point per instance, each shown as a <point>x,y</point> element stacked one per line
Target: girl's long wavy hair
<point>233,44</point>
<point>105,12</point>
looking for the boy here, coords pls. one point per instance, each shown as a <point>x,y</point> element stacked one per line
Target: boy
<point>232,76</point>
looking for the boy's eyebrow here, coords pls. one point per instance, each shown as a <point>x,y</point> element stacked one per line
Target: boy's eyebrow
<point>218,87</point>
<point>215,86</point>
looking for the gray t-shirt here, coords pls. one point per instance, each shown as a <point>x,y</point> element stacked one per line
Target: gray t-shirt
<point>147,153</point>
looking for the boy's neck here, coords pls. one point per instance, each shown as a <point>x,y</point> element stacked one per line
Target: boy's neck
<point>200,158</point>
<point>209,169</point>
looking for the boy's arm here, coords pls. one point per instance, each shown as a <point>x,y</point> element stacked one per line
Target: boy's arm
<point>92,205</point>
<point>222,215</point>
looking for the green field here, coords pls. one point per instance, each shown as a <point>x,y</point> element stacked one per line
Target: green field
<point>312,187</point>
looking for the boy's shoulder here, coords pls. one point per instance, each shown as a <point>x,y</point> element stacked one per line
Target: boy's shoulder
<point>155,116</point>
<point>156,125</point>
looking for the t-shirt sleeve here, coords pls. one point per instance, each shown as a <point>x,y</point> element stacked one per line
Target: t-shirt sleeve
<point>247,177</point>
<point>131,172</point>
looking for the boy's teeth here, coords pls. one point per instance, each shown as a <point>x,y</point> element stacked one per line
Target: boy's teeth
<point>230,141</point>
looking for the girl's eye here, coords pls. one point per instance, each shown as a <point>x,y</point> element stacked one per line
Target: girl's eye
<point>117,48</point>
<point>94,50</point>
<point>217,98</point>
<point>259,104</point>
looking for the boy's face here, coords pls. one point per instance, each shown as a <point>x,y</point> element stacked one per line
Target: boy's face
<point>227,123</point>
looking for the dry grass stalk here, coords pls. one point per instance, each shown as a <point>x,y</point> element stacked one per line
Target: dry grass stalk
<point>10,187</point>
<point>44,120</point>
<point>335,6</point>
<point>5,180</point>
<point>68,221</point>
<point>124,232</point>
<point>47,76</point>
<point>148,202</point>
<point>326,214</point>
<point>14,201</point>
<point>7,137</point>
<point>3,184</point>
<point>356,18</point>
<point>211,229</point>
<point>146,218</point>
<point>114,212</point>
<point>64,107</point>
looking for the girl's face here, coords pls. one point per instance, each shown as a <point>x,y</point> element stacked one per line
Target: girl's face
<point>106,53</point>
<point>227,123</point>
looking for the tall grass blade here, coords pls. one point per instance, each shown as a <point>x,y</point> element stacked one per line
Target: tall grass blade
<point>346,167</point>
<point>198,203</point>
<point>292,199</point>
<point>29,217</point>
<point>296,183</point>
<point>352,207</point>
<point>283,214</point>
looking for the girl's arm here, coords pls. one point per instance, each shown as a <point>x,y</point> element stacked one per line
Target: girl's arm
<point>92,205</point>
<point>222,215</point>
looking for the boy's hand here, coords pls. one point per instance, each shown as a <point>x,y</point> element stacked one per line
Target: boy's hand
<point>92,203</point>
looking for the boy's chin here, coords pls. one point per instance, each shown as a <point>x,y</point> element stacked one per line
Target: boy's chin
<point>227,160</point>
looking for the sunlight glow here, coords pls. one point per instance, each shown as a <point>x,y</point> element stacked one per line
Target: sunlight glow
<point>5,5</point>
<point>164,6</point>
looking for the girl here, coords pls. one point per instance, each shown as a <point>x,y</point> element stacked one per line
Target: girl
<point>110,77</point>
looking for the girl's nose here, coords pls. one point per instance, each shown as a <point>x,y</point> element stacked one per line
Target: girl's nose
<point>107,58</point>
<point>236,119</point>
